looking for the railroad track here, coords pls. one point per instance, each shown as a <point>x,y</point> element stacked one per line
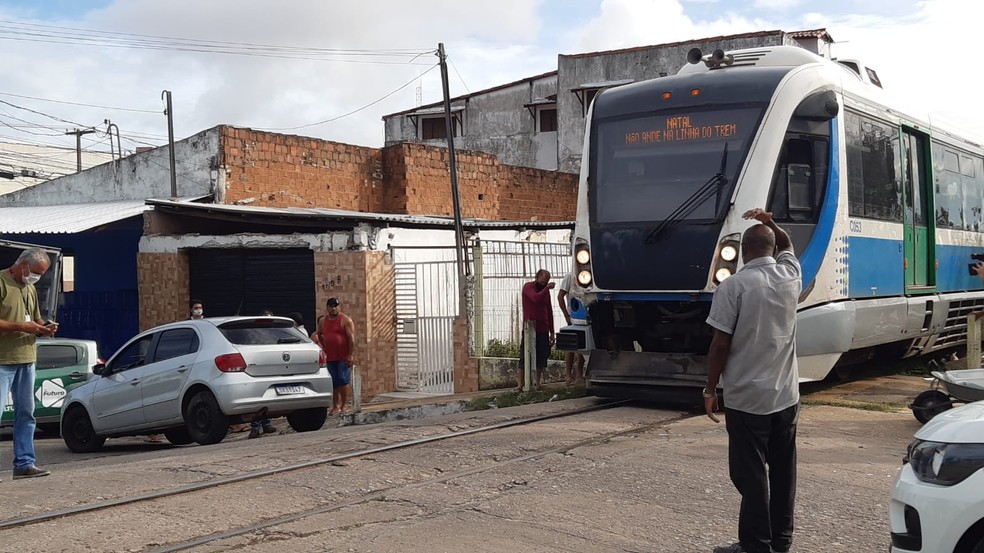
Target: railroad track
<point>155,501</point>
<point>35,519</point>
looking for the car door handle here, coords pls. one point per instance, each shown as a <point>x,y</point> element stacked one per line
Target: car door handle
<point>134,382</point>
<point>182,368</point>
<point>76,375</point>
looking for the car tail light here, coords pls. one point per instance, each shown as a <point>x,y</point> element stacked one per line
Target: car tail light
<point>230,363</point>
<point>322,358</point>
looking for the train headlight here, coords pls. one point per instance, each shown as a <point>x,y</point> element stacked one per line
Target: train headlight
<point>722,274</point>
<point>729,253</point>
<point>583,256</point>
<point>584,278</point>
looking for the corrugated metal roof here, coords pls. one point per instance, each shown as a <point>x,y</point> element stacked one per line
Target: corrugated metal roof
<point>286,214</point>
<point>66,219</point>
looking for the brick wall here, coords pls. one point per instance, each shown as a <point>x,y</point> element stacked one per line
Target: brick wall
<point>527,194</point>
<point>364,284</point>
<point>162,286</point>
<point>277,170</point>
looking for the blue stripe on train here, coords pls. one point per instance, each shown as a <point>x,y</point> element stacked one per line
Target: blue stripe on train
<point>877,267</point>
<point>816,250</point>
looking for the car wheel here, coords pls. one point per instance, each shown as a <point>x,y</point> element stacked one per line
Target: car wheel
<point>178,436</point>
<point>78,433</point>
<point>206,423</point>
<point>50,428</point>
<point>308,420</point>
<point>928,404</point>
<point>979,548</point>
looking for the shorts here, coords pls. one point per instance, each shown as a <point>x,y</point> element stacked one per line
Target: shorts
<point>341,374</point>
<point>542,350</point>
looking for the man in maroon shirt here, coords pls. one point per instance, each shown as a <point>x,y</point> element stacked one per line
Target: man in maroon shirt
<point>536,307</point>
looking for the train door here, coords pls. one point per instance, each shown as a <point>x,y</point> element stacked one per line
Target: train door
<point>920,235</point>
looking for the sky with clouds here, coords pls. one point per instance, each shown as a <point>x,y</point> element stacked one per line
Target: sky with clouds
<point>334,58</point>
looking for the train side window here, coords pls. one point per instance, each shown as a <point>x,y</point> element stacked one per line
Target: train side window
<point>797,189</point>
<point>874,168</point>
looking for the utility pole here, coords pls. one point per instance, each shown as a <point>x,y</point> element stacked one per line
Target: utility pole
<point>459,233</point>
<point>170,141</point>
<point>78,146</point>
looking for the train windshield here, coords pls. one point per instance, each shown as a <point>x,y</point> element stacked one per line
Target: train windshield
<point>677,165</point>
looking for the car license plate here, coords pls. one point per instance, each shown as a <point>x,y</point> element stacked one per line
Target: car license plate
<point>289,390</point>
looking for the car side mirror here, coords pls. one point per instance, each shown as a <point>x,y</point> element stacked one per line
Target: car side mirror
<point>99,368</point>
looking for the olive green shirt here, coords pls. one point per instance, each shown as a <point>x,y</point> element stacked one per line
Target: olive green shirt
<point>17,301</point>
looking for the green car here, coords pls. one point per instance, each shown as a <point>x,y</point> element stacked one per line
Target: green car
<point>63,363</point>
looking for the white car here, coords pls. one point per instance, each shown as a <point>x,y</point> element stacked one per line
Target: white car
<point>938,502</point>
<point>190,380</point>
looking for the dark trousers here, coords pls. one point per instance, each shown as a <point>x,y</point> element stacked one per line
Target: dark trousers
<point>767,495</point>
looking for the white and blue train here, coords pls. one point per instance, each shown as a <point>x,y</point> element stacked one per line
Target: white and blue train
<point>885,210</point>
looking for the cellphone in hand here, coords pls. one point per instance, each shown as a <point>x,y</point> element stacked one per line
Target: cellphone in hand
<point>51,324</point>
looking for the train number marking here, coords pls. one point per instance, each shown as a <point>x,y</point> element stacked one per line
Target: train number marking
<point>856,226</point>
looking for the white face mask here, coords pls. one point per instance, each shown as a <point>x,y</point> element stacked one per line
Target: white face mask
<point>32,278</point>
<point>197,312</point>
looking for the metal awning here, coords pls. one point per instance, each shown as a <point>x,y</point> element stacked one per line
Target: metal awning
<point>335,218</point>
<point>66,219</point>
<point>456,113</point>
<point>435,111</point>
<point>583,90</point>
<point>601,84</point>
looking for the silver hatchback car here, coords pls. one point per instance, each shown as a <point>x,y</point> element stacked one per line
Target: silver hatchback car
<point>191,379</point>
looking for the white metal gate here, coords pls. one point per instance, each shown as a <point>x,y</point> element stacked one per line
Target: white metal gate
<point>426,305</point>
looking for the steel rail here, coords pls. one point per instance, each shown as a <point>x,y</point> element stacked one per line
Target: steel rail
<point>214,483</point>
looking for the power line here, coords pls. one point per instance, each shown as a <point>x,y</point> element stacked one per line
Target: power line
<point>459,75</point>
<point>42,114</point>
<point>370,104</point>
<point>31,32</point>
<point>135,110</point>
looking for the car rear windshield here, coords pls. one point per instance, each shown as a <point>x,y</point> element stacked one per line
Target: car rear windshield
<point>262,332</point>
<point>51,356</point>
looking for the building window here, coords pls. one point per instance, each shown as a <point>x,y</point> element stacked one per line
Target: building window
<point>546,119</point>
<point>434,128</point>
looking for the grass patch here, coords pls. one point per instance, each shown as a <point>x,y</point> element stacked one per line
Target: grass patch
<point>514,398</point>
<point>862,405</point>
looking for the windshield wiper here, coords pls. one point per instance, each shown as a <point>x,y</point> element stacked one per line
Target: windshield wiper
<point>713,186</point>
<point>289,341</point>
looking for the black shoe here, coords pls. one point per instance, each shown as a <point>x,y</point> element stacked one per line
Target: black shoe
<point>269,429</point>
<point>733,548</point>
<point>253,433</point>
<point>29,472</point>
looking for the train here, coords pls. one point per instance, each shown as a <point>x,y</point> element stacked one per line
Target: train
<point>885,209</point>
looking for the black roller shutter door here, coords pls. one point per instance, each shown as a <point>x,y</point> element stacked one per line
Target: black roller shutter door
<point>247,281</point>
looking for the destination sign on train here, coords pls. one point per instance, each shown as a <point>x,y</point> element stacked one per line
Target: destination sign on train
<point>680,128</point>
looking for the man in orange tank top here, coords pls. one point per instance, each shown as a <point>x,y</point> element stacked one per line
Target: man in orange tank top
<point>336,334</point>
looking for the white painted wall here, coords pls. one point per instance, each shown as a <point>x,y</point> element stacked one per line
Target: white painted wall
<point>135,177</point>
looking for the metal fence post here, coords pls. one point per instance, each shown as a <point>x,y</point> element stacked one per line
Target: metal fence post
<point>529,355</point>
<point>974,339</point>
<point>356,390</point>
<point>479,299</point>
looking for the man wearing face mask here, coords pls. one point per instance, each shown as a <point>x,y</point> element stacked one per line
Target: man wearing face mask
<point>197,310</point>
<point>536,307</point>
<point>20,325</point>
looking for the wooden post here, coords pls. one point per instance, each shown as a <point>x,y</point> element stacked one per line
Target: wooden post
<point>974,339</point>
<point>356,390</point>
<point>529,353</point>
